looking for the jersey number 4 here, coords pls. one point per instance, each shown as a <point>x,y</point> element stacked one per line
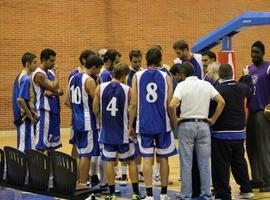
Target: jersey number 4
<point>76,95</point>
<point>111,107</point>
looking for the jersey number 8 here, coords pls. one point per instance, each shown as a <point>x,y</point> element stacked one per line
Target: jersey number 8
<point>151,89</point>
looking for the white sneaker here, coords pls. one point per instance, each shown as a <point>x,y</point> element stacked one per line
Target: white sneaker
<point>243,195</point>
<point>164,197</point>
<point>148,198</point>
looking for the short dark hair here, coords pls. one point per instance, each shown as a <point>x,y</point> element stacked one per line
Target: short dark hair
<point>28,57</point>
<point>93,60</point>
<point>135,53</point>
<point>120,70</point>
<point>85,54</point>
<point>225,71</point>
<point>175,69</point>
<point>210,54</point>
<point>157,46</point>
<point>111,54</point>
<point>259,45</point>
<point>186,68</point>
<point>180,44</point>
<point>46,54</point>
<point>153,57</point>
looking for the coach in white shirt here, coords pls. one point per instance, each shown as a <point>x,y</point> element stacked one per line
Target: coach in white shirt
<point>195,96</point>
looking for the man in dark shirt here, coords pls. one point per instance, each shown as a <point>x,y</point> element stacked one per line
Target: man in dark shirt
<point>228,137</point>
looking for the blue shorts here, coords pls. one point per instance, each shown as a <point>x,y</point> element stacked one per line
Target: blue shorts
<point>124,152</point>
<point>87,143</point>
<point>26,135</point>
<point>163,143</point>
<point>48,131</point>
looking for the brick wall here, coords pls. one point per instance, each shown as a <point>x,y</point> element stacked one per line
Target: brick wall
<point>69,27</point>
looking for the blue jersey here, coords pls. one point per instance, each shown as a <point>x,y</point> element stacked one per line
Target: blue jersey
<point>196,60</point>
<point>130,77</point>
<point>152,116</point>
<point>114,98</point>
<point>164,69</point>
<point>83,118</point>
<point>22,89</point>
<point>105,76</point>
<point>51,104</point>
<point>73,73</point>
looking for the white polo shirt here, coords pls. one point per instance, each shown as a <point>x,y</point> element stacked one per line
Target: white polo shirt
<point>195,96</point>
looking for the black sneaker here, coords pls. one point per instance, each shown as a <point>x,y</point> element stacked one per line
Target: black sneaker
<point>94,180</point>
<point>256,184</point>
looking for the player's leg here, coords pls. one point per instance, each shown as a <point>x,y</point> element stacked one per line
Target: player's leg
<point>165,148</point>
<point>146,146</point>
<point>138,161</point>
<point>124,178</point>
<point>109,153</point>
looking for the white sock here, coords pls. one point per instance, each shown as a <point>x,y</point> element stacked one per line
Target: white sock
<point>124,169</point>
<point>94,164</point>
<point>139,168</point>
<point>157,169</point>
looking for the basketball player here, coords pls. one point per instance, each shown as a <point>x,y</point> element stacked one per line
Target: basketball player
<point>112,99</point>
<point>46,84</point>
<point>151,94</point>
<point>81,94</point>
<point>24,114</point>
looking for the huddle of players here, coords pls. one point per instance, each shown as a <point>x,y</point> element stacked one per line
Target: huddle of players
<point>122,110</point>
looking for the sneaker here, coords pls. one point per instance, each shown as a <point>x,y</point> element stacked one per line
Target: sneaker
<point>141,177</point>
<point>246,195</point>
<point>118,175</point>
<point>111,197</point>
<point>124,180</point>
<point>164,197</point>
<point>180,196</point>
<point>94,180</point>
<point>156,181</point>
<point>136,197</point>
<point>148,198</point>
<point>207,197</point>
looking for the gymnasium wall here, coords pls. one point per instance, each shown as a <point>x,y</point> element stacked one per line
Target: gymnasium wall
<point>69,27</point>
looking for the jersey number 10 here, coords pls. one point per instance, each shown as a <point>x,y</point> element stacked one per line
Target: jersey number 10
<point>76,95</point>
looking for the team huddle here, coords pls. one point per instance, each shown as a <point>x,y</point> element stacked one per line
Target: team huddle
<point>128,113</point>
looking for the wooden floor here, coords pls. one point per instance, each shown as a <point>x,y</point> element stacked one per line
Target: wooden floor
<point>8,138</point>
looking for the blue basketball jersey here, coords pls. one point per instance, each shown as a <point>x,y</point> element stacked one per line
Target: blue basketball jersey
<point>52,103</point>
<point>22,88</point>
<point>114,99</point>
<point>105,76</point>
<point>83,118</point>
<point>75,71</point>
<point>130,77</point>
<point>152,116</point>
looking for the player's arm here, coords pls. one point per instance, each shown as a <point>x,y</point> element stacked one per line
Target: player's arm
<point>43,81</point>
<point>133,102</point>
<point>67,98</point>
<point>170,90</point>
<point>96,101</point>
<point>58,92</point>
<point>23,96</point>
<point>220,105</point>
<point>172,111</point>
<point>90,87</point>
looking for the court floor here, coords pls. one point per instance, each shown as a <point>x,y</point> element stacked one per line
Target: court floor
<point>8,138</point>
